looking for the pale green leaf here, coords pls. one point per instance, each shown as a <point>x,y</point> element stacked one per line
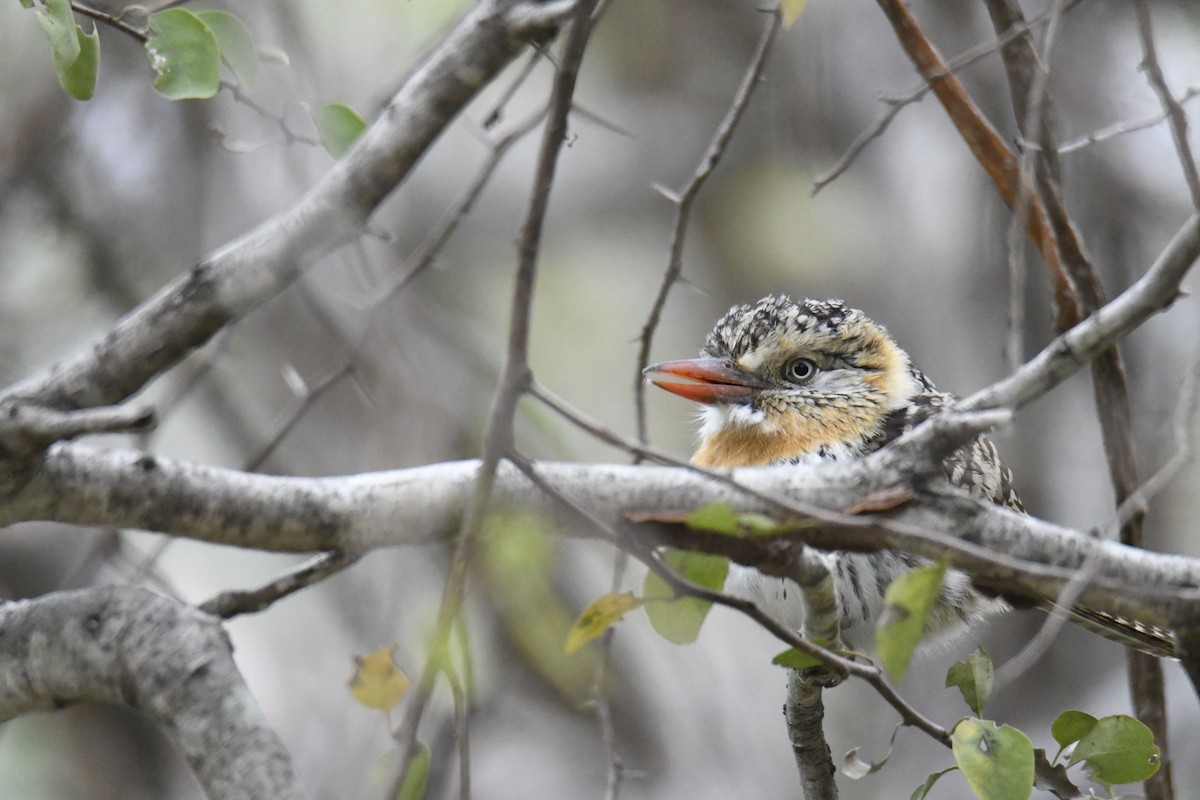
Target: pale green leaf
<point>236,44</point>
<point>714,518</point>
<point>417,778</point>
<point>997,762</point>
<point>906,606</point>
<point>58,23</point>
<point>1071,726</point>
<point>921,791</point>
<point>678,620</point>
<point>598,617</point>
<point>973,678</point>
<point>794,658</point>
<point>338,125</point>
<point>184,53</point>
<point>1119,749</point>
<point>79,79</point>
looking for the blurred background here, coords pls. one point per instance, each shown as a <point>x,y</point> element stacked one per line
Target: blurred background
<point>102,203</point>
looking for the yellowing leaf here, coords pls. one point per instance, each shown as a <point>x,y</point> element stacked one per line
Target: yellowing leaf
<point>599,616</point>
<point>378,682</point>
<point>996,761</point>
<point>791,11</point>
<point>906,606</point>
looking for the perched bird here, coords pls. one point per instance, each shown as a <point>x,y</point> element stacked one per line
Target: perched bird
<point>805,382</point>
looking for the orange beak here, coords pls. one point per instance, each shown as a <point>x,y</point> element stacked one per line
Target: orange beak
<point>705,380</point>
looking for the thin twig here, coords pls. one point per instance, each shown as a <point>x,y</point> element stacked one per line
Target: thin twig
<point>462,724</point>
<point>424,258</point>
<point>112,20</point>
<point>896,104</point>
<point>684,200</point>
<point>1123,128</point>
<point>1029,655</point>
<point>1185,411</point>
<point>514,381</point>
<point>1176,118</point>
<point>683,587</point>
<point>228,605</point>
<point>1039,155</point>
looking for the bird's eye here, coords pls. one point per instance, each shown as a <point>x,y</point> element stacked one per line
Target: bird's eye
<point>800,370</point>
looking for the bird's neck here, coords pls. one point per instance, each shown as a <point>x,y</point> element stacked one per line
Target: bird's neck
<point>730,442</point>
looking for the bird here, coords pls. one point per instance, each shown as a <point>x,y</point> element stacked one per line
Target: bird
<point>785,381</point>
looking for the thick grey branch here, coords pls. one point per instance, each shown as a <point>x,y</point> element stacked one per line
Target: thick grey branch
<point>137,648</point>
<point>79,484</point>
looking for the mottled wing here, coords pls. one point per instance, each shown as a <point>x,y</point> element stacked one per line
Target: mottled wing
<point>977,468</point>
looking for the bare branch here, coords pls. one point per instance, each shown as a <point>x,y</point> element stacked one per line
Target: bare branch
<point>231,604</point>
<point>516,377</point>
<point>136,648</point>
<point>805,713</point>
<point>684,200</point>
<point>1176,118</point>
<point>239,276</point>
<point>1123,128</point>
<point>1153,292</point>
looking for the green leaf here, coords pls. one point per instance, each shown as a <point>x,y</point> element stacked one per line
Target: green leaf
<point>1071,726</point>
<point>237,47</point>
<point>79,79</point>
<point>678,620</point>
<point>762,525</point>
<point>1119,749</point>
<point>598,617</point>
<point>906,606</point>
<point>997,762</point>
<point>714,518</point>
<point>58,23</point>
<point>921,791</point>
<point>338,126</point>
<point>184,53</point>
<point>417,778</point>
<point>973,678</point>
<point>793,658</point>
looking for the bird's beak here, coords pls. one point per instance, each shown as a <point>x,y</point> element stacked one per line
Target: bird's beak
<point>704,380</point>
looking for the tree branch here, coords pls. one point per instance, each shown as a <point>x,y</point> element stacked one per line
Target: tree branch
<point>137,648</point>
<point>238,277</point>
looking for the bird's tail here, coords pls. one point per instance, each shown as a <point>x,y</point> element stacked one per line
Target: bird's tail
<point>1150,639</point>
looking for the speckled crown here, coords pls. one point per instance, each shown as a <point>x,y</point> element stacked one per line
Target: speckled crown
<point>744,327</point>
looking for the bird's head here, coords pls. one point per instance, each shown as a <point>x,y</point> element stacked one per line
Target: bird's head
<point>782,379</point>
